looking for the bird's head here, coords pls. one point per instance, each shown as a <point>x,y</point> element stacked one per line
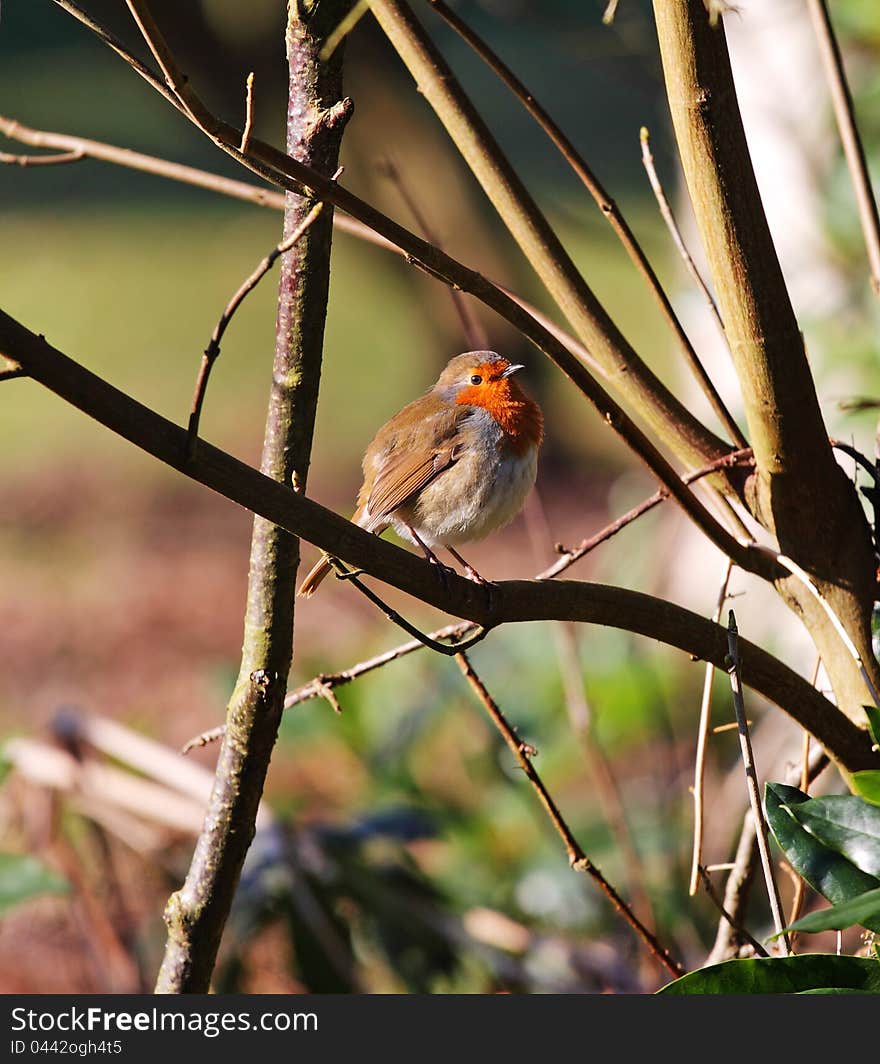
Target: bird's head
<point>486,379</point>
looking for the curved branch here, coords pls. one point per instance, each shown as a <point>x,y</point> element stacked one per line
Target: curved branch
<point>519,600</point>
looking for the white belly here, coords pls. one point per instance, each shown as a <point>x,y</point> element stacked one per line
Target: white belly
<point>471,499</point>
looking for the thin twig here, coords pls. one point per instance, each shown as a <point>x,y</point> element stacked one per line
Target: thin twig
<point>610,12</point>
<point>571,555</point>
<point>317,687</point>
<point>752,783</point>
<point>474,333</point>
<point>576,856</point>
<point>854,152</point>
<point>211,352</point>
<point>41,160</point>
<point>675,232</point>
<point>743,932</point>
<point>248,114</point>
<point>606,204</point>
<point>358,9</point>
<point>581,719</point>
<point>702,738</point>
<point>352,576</point>
<point>69,146</point>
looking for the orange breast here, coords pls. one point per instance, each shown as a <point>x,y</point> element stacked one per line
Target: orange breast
<point>519,418</point>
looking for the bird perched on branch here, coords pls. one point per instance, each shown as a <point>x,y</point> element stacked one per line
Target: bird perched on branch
<point>452,466</point>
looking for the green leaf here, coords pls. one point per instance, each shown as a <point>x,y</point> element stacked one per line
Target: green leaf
<point>873,714</point>
<point>867,784</point>
<point>865,907</point>
<point>847,824</point>
<point>23,877</point>
<point>808,972</point>
<point>832,875</point>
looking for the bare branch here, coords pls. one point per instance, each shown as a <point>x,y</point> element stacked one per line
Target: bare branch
<point>742,932</point>
<point>41,160</point>
<point>610,211</point>
<point>197,912</point>
<point>352,576</point>
<point>248,114</point>
<point>576,856</point>
<point>702,736</point>
<point>675,233</point>
<point>570,556</point>
<point>510,601</point>
<point>752,784</point>
<point>212,351</point>
<point>854,152</point>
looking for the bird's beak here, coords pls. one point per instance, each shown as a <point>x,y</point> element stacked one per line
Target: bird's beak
<point>509,372</point>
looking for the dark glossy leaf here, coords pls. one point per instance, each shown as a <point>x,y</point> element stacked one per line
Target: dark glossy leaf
<point>23,877</point>
<point>858,910</point>
<point>873,722</point>
<point>808,972</point>
<point>847,824</point>
<point>867,784</point>
<point>832,875</point>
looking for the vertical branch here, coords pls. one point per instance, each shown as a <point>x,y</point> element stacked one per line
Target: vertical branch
<point>702,737</point>
<point>844,114</point>
<point>797,475</point>
<point>197,913</point>
<point>752,782</point>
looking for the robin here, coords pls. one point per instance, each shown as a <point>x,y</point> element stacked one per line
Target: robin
<point>452,466</point>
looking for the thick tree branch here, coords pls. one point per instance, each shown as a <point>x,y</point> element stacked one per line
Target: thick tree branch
<point>800,493</point>
<point>510,600</point>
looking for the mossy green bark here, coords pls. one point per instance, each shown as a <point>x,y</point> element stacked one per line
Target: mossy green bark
<point>197,913</point>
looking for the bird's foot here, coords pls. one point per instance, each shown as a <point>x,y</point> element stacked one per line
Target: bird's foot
<point>443,571</point>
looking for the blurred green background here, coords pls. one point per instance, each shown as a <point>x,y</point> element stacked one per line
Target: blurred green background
<point>404,836</point>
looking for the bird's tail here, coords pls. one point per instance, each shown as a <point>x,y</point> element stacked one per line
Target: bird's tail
<point>322,568</point>
<point>313,581</point>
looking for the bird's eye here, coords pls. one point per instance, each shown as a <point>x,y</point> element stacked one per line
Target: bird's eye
<point>476,379</point>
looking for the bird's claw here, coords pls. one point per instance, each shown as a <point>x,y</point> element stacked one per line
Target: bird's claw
<point>443,571</point>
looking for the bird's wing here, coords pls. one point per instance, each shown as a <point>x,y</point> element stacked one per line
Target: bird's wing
<point>405,473</point>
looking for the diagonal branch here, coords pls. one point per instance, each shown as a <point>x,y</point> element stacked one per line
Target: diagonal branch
<point>576,856</point>
<point>212,351</point>
<point>854,152</point>
<point>609,208</point>
<point>655,405</point>
<point>296,176</point>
